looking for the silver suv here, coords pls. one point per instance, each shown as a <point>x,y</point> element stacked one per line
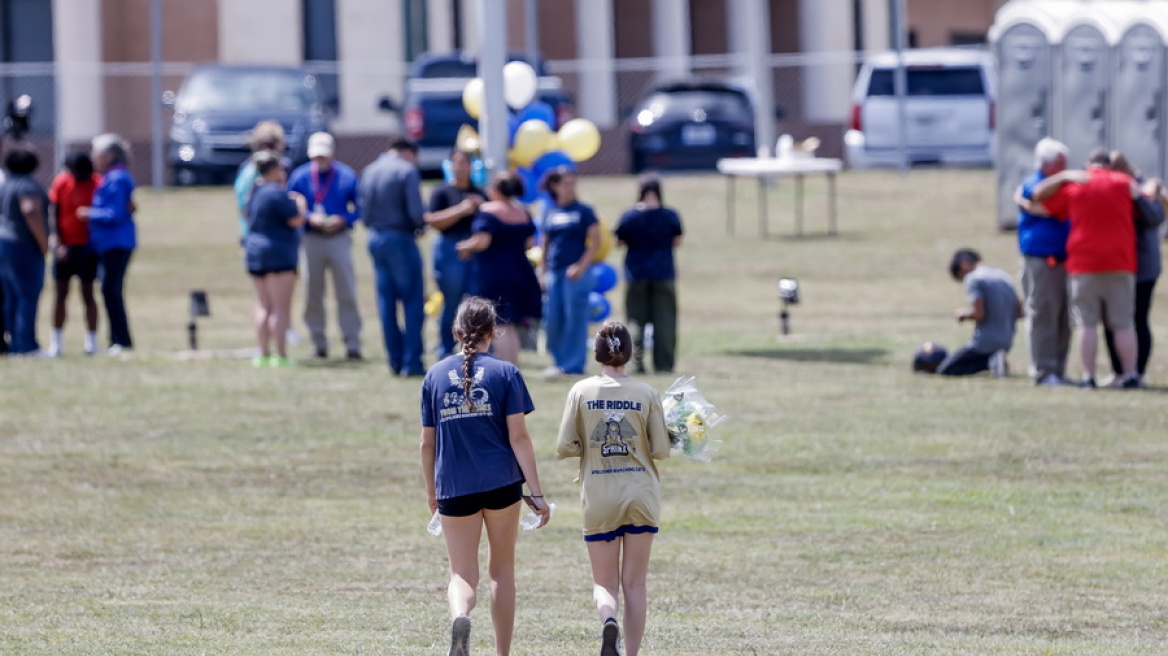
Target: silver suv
<point>948,106</point>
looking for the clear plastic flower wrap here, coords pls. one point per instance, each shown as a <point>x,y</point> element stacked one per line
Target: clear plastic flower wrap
<point>690,418</point>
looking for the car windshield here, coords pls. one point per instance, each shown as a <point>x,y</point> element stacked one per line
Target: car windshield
<point>720,105</point>
<point>966,81</point>
<point>245,90</point>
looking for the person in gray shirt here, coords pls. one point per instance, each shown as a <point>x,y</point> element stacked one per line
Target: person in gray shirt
<point>390,197</point>
<point>993,307</point>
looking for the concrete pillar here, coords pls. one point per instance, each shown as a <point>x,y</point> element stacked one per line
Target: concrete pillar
<point>671,38</point>
<point>470,25</point>
<point>826,29</point>
<point>596,48</point>
<point>750,36</point>
<point>261,32</point>
<point>440,25</point>
<point>877,25</point>
<point>80,85</point>
<point>371,62</point>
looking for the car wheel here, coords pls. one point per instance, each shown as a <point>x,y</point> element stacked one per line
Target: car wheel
<point>186,177</point>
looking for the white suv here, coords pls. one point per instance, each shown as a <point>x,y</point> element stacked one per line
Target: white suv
<point>948,107</point>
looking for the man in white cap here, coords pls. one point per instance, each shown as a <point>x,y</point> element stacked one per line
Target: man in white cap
<point>331,190</point>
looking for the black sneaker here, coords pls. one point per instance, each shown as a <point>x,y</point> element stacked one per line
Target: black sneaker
<point>1131,382</point>
<point>320,354</point>
<point>460,637</point>
<point>354,355</point>
<point>1087,383</point>
<point>609,639</point>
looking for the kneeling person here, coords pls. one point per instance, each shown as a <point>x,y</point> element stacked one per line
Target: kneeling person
<point>993,307</point>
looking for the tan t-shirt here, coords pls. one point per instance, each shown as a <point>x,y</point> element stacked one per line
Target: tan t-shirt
<point>616,427</point>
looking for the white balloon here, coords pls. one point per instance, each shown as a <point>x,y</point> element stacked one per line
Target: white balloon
<point>519,84</point>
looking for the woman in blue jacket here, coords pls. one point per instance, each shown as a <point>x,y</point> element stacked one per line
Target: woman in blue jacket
<point>112,232</point>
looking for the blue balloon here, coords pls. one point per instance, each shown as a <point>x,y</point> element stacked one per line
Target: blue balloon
<point>603,276</point>
<point>539,111</point>
<point>598,307</point>
<point>530,184</point>
<point>448,171</point>
<point>550,160</point>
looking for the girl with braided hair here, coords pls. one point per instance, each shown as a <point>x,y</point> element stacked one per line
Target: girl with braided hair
<point>476,456</point>
<point>616,427</point>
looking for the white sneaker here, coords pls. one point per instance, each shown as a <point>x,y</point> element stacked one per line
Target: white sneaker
<point>91,349</point>
<point>53,352</point>
<point>1051,380</point>
<point>553,372</point>
<point>115,350</point>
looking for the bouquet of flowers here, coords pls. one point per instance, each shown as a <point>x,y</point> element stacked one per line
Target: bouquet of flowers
<point>689,417</point>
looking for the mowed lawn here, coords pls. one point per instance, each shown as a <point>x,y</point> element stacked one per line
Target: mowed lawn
<point>167,504</point>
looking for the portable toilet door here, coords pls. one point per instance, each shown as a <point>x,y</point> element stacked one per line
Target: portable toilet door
<point>1138,99</point>
<point>1024,62</point>
<point>1082,107</point>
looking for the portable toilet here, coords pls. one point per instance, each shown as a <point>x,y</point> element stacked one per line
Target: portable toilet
<point>1023,35</point>
<point>1138,86</point>
<point>1082,117</point>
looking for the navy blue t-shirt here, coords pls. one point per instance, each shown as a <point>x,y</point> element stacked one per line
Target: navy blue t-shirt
<point>271,244</point>
<point>565,230</point>
<point>649,235</point>
<point>472,447</point>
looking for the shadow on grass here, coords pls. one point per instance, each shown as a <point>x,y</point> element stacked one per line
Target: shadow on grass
<point>832,356</point>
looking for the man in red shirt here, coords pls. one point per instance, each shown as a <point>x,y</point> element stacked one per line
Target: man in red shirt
<point>73,256</point>
<point>1101,256</point>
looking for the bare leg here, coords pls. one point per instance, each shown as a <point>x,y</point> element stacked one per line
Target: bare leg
<point>90,305</point>
<point>502,530</point>
<point>634,571</point>
<point>61,287</point>
<point>262,315</point>
<point>506,345</point>
<point>605,559</point>
<point>462,536</point>
<point>281,288</point>
<point>1088,346</point>
<point>1125,344</point>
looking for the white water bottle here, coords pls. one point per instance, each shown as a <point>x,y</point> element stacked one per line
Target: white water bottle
<point>530,521</point>
<point>435,525</point>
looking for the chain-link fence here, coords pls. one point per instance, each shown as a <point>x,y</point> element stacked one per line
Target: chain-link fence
<point>72,104</point>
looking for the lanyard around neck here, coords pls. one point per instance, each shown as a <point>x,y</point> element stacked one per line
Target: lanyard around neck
<point>320,191</point>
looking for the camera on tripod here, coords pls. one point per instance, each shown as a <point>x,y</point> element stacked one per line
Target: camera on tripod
<point>17,115</point>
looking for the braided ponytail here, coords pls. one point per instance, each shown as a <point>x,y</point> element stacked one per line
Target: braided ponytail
<point>474,322</point>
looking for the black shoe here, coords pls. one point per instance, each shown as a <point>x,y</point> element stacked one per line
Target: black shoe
<point>1131,382</point>
<point>609,639</point>
<point>460,637</point>
<point>354,355</point>
<point>320,354</point>
<point>1087,383</point>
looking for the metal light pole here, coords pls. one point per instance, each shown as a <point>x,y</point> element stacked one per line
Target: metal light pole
<point>531,30</point>
<point>758,17</point>
<point>900,82</point>
<point>492,17</point>
<point>157,151</point>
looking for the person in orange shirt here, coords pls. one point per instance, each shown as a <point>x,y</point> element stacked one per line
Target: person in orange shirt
<point>73,255</point>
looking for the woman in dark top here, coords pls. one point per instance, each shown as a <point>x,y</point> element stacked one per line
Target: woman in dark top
<point>502,233</point>
<point>24,240</point>
<point>571,235</point>
<point>651,231</point>
<point>272,249</point>
<point>452,210</point>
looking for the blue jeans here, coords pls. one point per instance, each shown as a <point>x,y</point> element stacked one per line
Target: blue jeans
<point>397,266</point>
<point>453,278</point>
<point>565,319</point>
<point>22,272</point>
<point>112,266</point>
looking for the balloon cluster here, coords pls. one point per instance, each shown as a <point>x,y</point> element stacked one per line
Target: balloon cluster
<point>536,147</point>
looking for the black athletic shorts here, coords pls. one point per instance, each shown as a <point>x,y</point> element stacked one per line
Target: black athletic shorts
<point>80,261</point>
<point>260,273</point>
<point>470,504</point>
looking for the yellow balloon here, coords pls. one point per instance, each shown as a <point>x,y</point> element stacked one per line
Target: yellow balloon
<point>605,245</point>
<point>472,97</point>
<point>580,139</point>
<point>531,139</point>
<point>434,304</point>
<point>467,140</point>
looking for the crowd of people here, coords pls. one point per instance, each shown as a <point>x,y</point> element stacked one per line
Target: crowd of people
<point>85,220</point>
<point>482,246</point>
<point>1090,244</point>
<point>477,455</point>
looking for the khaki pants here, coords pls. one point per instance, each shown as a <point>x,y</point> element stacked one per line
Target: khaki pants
<point>334,254</point>
<point>1047,315</point>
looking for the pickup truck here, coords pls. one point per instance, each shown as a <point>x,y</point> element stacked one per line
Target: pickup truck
<point>432,112</point>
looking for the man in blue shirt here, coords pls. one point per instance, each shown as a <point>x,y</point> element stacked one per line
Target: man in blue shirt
<point>1043,242</point>
<point>330,187</point>
<point>390,198</point>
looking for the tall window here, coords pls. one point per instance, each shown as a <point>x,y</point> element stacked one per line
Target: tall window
<point>26,36</point>
<point>417,37</point>
<point>320,43</point>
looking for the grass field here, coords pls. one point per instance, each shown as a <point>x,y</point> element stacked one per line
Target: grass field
<point>158,504</point>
